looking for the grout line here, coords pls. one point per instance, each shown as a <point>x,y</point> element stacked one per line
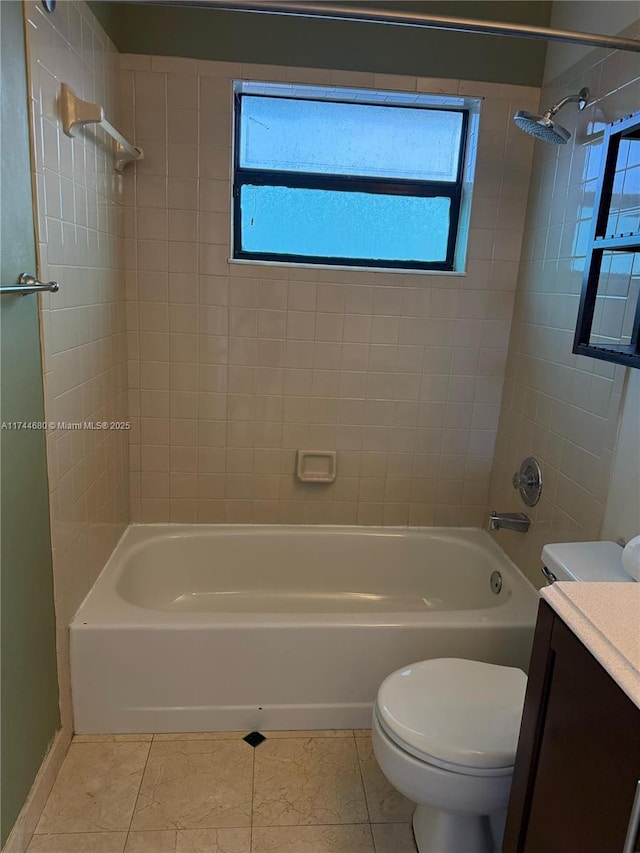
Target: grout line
<point>82,832</point>
<point>253,793</point>
<point>135,805</point>
<point>373,840</point>
<point>180,738</point>
<point>79,742</point>
<point>364,790</point>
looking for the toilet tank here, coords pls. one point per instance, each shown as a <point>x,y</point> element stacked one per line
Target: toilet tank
<point>584,561</point>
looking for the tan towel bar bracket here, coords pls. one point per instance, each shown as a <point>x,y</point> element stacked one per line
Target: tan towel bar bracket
<point>75,113</point>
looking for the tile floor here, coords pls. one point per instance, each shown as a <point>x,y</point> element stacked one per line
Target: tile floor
<point>297,792</point>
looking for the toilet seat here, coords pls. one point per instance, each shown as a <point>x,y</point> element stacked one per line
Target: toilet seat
<point>460,715</point>
<point>438,763</point>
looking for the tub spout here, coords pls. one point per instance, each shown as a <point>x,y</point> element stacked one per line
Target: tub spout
<point>518,521</point>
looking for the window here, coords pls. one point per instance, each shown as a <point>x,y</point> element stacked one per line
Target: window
<point>608,326</point>
<point>350,178</point>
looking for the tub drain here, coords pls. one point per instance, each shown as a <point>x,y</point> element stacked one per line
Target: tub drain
<point>496,582</point>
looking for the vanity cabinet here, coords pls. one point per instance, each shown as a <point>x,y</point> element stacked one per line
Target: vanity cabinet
<point>578,761</point>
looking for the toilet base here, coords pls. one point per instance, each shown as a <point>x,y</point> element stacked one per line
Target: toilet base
<point>438,831</point>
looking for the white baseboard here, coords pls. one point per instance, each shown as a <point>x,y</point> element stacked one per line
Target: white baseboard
<point>25,825</point>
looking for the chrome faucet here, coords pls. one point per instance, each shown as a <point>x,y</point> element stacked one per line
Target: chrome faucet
<point>518,521</point>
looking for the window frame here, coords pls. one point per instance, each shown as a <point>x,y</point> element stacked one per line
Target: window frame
<point>599,244</point>
<point>349,183</point>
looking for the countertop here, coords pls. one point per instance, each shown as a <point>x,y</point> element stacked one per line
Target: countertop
<point>606,618</point>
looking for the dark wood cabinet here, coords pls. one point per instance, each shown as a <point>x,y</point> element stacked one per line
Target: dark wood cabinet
<point>578,760</point>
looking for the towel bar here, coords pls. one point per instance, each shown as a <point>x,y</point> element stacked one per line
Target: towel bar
<point>76,112</point>
<point>29,284</point>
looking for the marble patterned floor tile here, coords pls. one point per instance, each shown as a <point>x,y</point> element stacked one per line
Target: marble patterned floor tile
<point>393,838</point>
<point>190,841</point>
<point>196,785</point>
<point>385,804</point>
<point>111,738</point>
<point>362,732</point>
<point>96,788</point>
<point>160,738</point>
<point>81,842</point>
<point>312,839</point>
<point>309,733</point>
<point>302,781</point>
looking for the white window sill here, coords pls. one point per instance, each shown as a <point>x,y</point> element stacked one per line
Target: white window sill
<point>386,270</point>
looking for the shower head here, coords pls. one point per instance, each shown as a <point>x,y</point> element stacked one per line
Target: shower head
<point>543,127</point>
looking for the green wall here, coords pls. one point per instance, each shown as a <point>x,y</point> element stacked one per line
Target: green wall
<point>30,713</point>
<point>171,30</point>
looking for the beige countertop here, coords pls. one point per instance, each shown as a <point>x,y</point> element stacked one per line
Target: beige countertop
<point>606,618</point>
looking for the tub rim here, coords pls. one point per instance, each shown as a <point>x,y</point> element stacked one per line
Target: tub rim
<point>104,608</point>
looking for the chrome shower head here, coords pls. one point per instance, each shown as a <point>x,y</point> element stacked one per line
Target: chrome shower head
<point>543,127</point>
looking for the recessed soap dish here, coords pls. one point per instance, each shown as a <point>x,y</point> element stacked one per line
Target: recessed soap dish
<point>316,466</point>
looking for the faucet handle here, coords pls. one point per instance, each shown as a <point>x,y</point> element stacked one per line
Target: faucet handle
<point>519,481</point>
<point>529,481</point>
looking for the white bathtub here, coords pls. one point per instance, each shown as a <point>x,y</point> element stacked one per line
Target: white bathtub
<point>209,628</point>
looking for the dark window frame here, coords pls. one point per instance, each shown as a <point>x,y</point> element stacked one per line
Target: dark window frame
<point>599,243</point>
<point>349,183</point>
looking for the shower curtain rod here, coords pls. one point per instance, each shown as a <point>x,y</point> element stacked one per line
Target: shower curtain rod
<point>413,19</point>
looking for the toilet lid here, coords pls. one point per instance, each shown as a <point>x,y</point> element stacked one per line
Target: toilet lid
<point>463,712</point>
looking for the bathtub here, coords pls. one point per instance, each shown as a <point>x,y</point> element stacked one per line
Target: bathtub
<point>216,627</point>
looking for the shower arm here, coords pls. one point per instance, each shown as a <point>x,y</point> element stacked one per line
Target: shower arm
<point>581,98</point>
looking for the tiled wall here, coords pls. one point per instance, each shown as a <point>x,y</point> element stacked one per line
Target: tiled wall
<point>234,366</point>
<point>622,512</point>
<point>563,409</point>
<point>83,325</point>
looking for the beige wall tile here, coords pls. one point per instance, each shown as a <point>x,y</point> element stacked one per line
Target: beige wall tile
<point>84,346</point>
<point>284,356</point>
<point>548,409</point>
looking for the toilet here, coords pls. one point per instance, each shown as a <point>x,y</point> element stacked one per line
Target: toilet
<point>445,731</point>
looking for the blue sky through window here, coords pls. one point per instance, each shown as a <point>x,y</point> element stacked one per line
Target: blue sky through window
<point>295,221</point>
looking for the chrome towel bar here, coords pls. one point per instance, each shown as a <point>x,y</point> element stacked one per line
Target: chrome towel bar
<point>29,284</point>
